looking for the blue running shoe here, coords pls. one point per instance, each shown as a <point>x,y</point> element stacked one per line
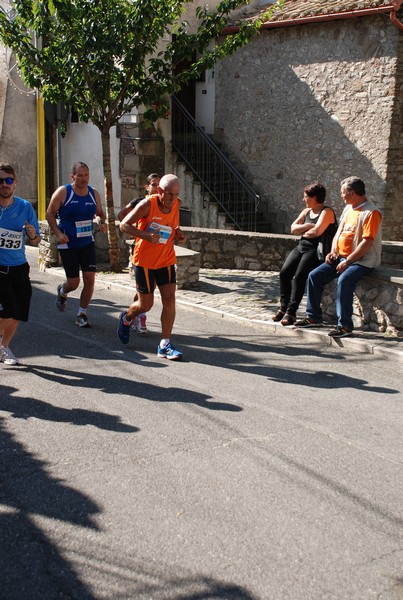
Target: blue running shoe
<point>169,352</point>
<point>123,329</point>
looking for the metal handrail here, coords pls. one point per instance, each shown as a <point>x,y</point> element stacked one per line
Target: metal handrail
<point>211,167</point>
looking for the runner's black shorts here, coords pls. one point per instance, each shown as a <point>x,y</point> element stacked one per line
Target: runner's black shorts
<point>15,292</point>
<point>75,258</point>
<point>147,279</point>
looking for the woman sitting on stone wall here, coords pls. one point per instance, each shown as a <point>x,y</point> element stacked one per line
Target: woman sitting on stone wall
<point>317,225</point>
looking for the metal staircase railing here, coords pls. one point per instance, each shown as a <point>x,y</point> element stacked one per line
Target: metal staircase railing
<point>212,168</point>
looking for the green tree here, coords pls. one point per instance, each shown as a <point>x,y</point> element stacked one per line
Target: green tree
<point>105,57</point>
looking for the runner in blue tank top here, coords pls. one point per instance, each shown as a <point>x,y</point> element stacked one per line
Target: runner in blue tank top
<point>75,218</point>
<point>70,214</point>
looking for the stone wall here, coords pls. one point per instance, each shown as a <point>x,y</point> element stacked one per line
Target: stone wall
<point>393,217</point>
<point>221,249</point>
<point>326,104</point>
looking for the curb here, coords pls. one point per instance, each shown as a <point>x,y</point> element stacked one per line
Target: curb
<point>355,344</point>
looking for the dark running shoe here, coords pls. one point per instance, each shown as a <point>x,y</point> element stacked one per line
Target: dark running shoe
<point>82,320</point>
<point>123,329</point>
<point>308,323</point>
<point>340,332</point>
<point>61,299</point>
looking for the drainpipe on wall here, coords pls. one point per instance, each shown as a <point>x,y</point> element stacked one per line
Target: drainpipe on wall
<point>40,157</point>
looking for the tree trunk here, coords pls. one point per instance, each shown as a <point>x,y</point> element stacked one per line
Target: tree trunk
<point>114,253</point>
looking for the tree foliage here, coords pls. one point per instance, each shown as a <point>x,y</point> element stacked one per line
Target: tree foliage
<point>106,57</point>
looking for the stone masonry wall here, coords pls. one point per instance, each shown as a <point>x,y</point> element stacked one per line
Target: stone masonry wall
<point>316,102</point>
<point>222,249</point>
<point>393,217</point>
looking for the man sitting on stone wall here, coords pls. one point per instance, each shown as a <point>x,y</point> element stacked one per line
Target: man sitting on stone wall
<point>356,250</point>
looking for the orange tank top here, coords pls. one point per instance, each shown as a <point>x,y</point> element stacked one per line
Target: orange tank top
<point>157,256</point>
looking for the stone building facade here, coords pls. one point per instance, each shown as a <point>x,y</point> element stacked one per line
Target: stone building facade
<point>320,100</point>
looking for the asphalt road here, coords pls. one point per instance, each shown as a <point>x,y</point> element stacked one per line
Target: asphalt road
<point>262,467</point>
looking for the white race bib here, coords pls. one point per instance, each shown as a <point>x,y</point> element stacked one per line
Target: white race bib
<point>163,230</point>
<point>83,228</point>
<point>11,240</point>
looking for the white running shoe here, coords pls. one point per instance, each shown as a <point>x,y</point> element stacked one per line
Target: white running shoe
<point>139,324</point>
<point>7,357</point>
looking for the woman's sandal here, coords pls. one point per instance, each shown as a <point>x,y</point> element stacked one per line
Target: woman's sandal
<point>288,320</point>
<point>278,316</point>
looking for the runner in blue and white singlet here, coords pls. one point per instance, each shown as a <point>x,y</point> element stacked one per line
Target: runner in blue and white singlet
<point>76,216</point>
<point>70,215</point>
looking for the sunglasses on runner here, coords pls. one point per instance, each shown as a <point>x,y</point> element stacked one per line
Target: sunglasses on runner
<point>7,180</point>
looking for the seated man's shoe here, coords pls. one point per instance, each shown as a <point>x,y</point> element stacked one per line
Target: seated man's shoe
<point>308,323</point>
<point>340,332</point>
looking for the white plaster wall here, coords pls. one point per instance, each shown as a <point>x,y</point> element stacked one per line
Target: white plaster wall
<point>82,142</point>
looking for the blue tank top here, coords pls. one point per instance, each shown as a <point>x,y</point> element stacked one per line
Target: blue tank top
<point>75,218</point>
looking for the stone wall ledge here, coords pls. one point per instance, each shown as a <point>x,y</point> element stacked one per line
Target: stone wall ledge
<point>385,274</point>
<point>260,251</point>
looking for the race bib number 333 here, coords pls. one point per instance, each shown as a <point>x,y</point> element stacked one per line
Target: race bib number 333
<point>10,240</point>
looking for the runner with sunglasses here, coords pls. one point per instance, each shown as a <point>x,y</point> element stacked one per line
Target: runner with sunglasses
<point>18,222</point>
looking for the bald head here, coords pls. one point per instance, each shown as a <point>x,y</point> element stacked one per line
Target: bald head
<point>167,181</point>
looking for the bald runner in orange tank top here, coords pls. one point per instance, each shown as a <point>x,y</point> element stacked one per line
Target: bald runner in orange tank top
<point>157,256</point>
<point>154,222</point>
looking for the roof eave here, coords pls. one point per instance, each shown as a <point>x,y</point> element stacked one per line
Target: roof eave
<point>363,12</point>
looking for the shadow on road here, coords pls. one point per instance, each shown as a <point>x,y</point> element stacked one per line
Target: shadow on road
<point>31,407</point>
<point>107,385</point>
<point>220,352</point>
<point>31,566</point>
